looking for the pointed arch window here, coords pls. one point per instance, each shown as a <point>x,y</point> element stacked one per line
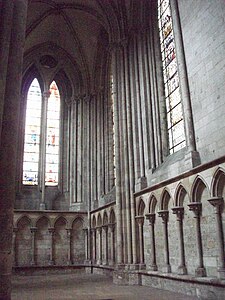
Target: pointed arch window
<point>175,121</point>
<point>41,142</point>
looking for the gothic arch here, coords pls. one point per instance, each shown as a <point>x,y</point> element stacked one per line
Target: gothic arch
<point>41,218</point>
<point>152,204</point>
<point>99,220</point>
<point>59,219</point>
<point>112,217</point>
<point>23,218</point>
<point>165,199</point>
<point>105,218</point>
<point>94,223</point>
<point>180,194</point>
<point>198,188</point>
<point>218,183</point>
<point>141,208</point>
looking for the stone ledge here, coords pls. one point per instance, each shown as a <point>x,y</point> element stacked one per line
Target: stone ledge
<point>185,278</point>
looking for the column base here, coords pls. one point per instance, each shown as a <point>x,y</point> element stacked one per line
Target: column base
<point>200,272</point>
<point>87,262</point>
<point>134,267</point>
<point>166,269</point>
<point>33,263</point>
<point>42,206</point>
<point>51,263</point>
<point>69,262</point>
<point>182,270</point>
<point>221,273</point>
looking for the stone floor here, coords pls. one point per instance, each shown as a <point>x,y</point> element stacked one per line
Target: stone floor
<point>83,287</point>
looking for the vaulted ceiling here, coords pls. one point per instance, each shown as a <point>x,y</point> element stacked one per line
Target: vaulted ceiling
<point>82,28</point>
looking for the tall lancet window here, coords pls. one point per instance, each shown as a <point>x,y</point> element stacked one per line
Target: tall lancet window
<point>174,110</point>
<point>41,121</point>
<point>32,134</point>
<point>52,143</point>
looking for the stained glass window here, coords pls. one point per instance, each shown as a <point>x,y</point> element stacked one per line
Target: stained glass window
<point>34,146</point>
<point>32,134</point>
<point>112,105</point>
<point>52,142</point>
<point>174,111</point>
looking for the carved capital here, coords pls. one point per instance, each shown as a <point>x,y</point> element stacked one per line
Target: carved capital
<point>140,220</point>
<point>151,218</point>
<point>179,211</point>
<point>111,226</point>
<point>218,204</point>
<point>99,229</point>
<point>51,230</point>
<point>15,230</point>
<point>33,229</point>
<point>105,228</point>
<point>164,214</point>
<point>196,207</point>
<point>68,232</point>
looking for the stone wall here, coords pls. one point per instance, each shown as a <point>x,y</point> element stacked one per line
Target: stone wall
<point>203,23</point>
<point>49,238</point>
<point>187,225</point>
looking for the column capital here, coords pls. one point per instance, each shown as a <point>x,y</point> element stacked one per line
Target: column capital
<point>164,214</point>
<point>68,232</point>
<point>93,229</point>
<point>140,220</point>
<point>33,229</point>
<point>218,203</point>
<point>15,230</point>
<point>51,230</point>
<point>196,207</point>
<point>151,218</point>
<point>179,211</point>
<point>105,227</point>
<point>111,226</point>
<point>99,229</point>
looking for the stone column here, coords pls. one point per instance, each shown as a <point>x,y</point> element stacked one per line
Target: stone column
<point>105,228</point>
<point>6,23</point>
<point>9,139</point>
<point>140,222</point>
<point>179,211</point>
<point>33,231</point>
<point>69,242</point>
<point>218,204</point>
<point>184,85</point>
<point>117,134</point>
<point>51,254</point>
<point>14,245</point>
<point>42,167</point>
<point>196,207</point>
<point>112,243</point>
<point>86,244</point>
<point>99,230</point>
<point>151,218</point>
<point>93,232</point>
<point>164,214</point>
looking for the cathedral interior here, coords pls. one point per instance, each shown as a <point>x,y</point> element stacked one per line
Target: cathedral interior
<point>112,141</point>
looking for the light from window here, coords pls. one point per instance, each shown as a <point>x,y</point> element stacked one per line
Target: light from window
<point>174,111</point>
<point>112,106</point>
<point>52,142</point>
<point>32,134</point>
